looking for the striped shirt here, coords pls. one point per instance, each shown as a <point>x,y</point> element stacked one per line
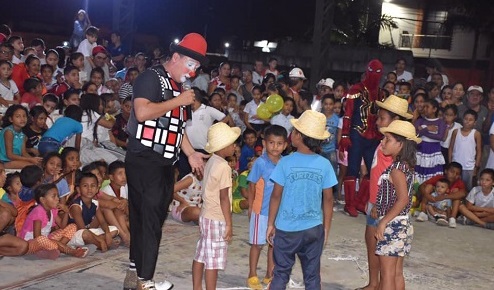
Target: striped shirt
<point>386,196</point>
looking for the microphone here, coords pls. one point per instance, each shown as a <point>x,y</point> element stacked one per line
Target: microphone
<point>187,85</point>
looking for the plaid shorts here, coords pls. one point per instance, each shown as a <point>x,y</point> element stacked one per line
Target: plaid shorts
<point>398,236</point>
<point>211,248</point>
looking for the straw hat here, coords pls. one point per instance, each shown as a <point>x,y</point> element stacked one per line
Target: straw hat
<point>396,105</point>
<point>220,135</point>
<point>312,124</point>
<point>402,128</point>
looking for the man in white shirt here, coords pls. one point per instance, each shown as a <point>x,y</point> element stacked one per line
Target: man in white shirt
<point>258,73</point>
<point>402,75</point>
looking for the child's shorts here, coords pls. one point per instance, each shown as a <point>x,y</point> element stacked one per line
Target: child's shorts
<point>398,236</point>
<point>78,241</point>
<point>343,161</point>
<point>257,229</point>
<point>176,212</point>
<point>211,248</point>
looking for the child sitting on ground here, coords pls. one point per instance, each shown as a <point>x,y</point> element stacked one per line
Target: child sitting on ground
<point>479,204</point>
<point>13,151</point>
<point>30,177</point>
<point>8,212</point>
<point>49,213</point>
<point>33,92</point>
<point>118,189</point>
<point>52,166</point>
<point>457,192</point>
<point>440,210</point>
<point>215,221</point>
<point>187,198</point>
<point>240,189</point>
<point>86,214</point>
<point>35,129</point>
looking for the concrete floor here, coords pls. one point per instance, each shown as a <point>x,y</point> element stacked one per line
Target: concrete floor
<point>441,258</point>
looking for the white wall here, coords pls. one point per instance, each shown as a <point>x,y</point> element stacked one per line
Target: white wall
<point>462,42</point>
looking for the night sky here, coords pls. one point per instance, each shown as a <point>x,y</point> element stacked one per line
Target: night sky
<point>221,20</point>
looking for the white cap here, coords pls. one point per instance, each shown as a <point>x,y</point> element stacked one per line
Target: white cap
<point>329,82</point>
<point>297,73</point>
<point>476,88</point>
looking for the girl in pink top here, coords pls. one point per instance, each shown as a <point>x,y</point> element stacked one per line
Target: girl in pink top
<point>39,223</point>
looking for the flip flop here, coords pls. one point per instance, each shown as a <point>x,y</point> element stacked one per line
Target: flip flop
<point>86,252</point>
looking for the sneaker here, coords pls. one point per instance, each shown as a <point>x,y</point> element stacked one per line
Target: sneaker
<point>146,285</point>
<point>165,285</point>
<point>452,222</point>
<point>443,222</point>
<point>294,285</point>
<point>254,283</point>
<point>422,217</point>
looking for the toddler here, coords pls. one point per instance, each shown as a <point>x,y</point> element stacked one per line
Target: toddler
<point>440,210</point>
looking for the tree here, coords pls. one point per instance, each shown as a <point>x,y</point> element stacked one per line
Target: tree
<point>358,22</point>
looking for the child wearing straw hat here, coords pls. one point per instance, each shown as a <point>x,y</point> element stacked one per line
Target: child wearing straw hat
<point>215,222</point>
<point>301,205</point>
<point>394,232</point>
<point>393,108</point>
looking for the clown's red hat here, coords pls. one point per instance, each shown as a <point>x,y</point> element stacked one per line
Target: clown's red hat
<point>192,45</point>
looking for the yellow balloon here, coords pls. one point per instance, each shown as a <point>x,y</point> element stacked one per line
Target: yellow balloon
<point>263,112</point>
<point>274,103</point>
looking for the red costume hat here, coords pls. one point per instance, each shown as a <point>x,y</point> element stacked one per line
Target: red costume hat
<point>98,49</point>
<point>192,45</point>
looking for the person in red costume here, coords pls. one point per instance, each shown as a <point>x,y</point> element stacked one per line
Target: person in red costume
<point>360,136</point>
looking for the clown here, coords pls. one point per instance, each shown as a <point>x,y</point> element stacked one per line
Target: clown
<point>360,136</point>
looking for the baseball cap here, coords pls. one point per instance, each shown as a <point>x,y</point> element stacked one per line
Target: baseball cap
<point>297,73</point>
<point>475,88</point>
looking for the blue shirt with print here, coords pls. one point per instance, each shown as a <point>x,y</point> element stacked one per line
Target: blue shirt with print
<point>303,177</point>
